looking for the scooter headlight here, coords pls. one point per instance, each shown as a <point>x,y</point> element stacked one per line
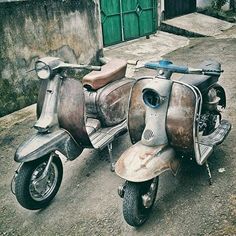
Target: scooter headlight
<point>43,70</point>
<point>151,98</point>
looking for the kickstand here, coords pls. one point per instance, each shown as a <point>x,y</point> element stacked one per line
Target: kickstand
<point>209,173</point>
<point>112,163</point>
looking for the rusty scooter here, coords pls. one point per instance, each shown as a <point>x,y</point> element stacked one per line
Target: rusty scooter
<point>71,116</point>
<point>169,120</point>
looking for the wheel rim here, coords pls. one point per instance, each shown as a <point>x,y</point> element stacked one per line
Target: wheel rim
<point>41,189</point>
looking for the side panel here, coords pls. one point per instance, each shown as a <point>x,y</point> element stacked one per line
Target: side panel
<point>181,118</point>
<point>112,102</point>
<point>71,112</point>
<point>136,115</point>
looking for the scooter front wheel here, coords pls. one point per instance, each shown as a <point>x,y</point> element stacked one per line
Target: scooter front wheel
<point>33,190</point>
<point>138,201</point>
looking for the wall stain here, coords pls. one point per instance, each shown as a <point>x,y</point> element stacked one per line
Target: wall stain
<point>29,30</point>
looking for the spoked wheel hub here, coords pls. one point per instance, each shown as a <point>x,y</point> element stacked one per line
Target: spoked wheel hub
<point>37,182</point>
<point>41,188</point>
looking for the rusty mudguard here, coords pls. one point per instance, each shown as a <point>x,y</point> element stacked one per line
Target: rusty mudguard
<point>141,163</point>
<point>71,109</point>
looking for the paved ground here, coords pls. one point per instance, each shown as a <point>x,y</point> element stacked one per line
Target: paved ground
<point>144,49</point>
<point>199,23</point>
<point>155,47</point>
<point>87,203</point>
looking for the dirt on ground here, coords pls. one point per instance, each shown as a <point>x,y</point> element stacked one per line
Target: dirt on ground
<point>87,202</point>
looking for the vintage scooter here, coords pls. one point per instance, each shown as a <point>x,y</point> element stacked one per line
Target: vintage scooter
<point>169,120</point>
<point>71,116</point>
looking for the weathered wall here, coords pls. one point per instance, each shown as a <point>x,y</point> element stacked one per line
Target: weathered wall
<point>69,29</point>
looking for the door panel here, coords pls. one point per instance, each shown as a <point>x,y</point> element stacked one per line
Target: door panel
<point>131,26</point>
<point>111,21</point>
<point>145,26</point>
<point>127,19</point>
<point>175,8</point>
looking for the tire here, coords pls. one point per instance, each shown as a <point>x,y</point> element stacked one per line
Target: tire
<point>25,190</point>
<point>134,212</point>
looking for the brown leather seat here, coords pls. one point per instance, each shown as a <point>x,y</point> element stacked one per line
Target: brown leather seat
<point>113,70</point>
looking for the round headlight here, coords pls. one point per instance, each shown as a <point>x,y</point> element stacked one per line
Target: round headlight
<point>151,98</point>
<point>43,70</point>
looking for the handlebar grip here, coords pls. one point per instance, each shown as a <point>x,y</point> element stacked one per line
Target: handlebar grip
<point>212,72</point>
<point>215,71</point>
<point>79,66</point>
<point>98,68</point>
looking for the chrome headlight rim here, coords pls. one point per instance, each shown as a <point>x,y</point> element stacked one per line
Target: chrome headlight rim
<point>43,70</point>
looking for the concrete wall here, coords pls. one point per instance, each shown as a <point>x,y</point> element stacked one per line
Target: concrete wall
<point>69,29</point>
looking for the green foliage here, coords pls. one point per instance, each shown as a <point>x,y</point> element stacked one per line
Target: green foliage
<point>217,4</point>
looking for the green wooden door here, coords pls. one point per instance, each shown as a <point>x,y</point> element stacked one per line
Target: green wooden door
<point>127,19</point>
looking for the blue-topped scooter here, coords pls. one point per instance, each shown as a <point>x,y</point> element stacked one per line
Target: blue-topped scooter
<point>169,120</point>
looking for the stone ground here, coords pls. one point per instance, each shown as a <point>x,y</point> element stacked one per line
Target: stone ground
<point>88,204</point>
<point>199,23</point>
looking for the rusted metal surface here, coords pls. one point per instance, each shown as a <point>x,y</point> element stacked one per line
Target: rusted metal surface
<point>180,118</point>
<point>113,70</point>
<point>141,163</point>
<point>71,112</point>
<point>41,96</point>
<point>136,115</point>
<point>112,102</point>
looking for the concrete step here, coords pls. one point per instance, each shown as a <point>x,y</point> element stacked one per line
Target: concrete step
<point>195,25</point>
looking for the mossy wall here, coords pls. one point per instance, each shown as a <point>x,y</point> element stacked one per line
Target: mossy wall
<point>69,29</point>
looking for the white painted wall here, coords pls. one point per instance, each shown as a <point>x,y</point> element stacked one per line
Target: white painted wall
<point>203,3</point>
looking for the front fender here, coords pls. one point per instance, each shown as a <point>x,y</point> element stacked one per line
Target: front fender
<point>140,163</point>
<point>42,144</point>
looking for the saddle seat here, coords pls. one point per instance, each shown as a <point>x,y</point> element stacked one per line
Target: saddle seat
<point>113,70</point>
<point>202,82</point>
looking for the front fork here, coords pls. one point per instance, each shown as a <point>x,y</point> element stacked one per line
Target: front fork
<point>13,181</point>
<point>147,198</point>
<point>44,174</point>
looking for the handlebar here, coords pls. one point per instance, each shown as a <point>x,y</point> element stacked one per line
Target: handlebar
<point>78,66</point>
<point>167,65</point>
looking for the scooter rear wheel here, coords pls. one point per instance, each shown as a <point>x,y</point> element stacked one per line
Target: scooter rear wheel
<point>32,193</point>
<point>134,211</point>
